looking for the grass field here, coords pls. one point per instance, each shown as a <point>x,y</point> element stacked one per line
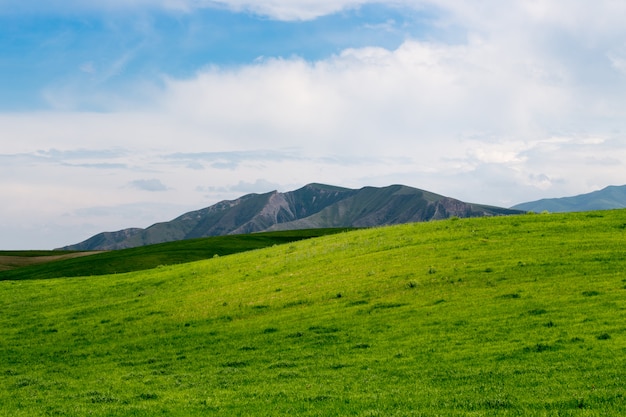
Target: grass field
<point>521,315</point>
<point>55,264</point>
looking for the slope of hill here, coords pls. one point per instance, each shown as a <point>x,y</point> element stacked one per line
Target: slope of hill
<point>506,316</point>
<point>52,264</point>
<point>10,260</point>
<point>312,206</point>
<point>611,197</point>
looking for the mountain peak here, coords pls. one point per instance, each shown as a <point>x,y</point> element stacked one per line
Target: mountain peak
<point>325,187</point>
<point>312,206</point>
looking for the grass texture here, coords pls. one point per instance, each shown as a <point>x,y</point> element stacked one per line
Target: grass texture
<point>521,315</point>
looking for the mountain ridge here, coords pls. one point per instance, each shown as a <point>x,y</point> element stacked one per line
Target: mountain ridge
<point>312,206</point>
<point>611,197</point>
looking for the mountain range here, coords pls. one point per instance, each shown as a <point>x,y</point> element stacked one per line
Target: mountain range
<point>312,206</point>
<point>611,197</point>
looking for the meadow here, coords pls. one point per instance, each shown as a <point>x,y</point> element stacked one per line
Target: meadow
<point>519,315</point>
<point>55,264</point>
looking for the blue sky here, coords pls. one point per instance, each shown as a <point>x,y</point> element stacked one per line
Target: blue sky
<point>95,50</point>
<point>122,113</point>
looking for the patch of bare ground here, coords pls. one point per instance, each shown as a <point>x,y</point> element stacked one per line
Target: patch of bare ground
<point>13,262</point>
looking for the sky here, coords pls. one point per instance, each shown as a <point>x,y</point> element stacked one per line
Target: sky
<point>124,113</point>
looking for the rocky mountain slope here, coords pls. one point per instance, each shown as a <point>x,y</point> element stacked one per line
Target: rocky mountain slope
<point>312,206</point>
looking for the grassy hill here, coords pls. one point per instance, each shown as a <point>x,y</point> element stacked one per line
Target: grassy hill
<point>520,315</point>
<point>16,265</point>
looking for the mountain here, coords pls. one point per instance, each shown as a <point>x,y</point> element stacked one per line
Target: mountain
<point>312,206</point>
<point>611,197</point>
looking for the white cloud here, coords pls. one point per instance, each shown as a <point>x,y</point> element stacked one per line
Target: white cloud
<point>531,105</point>
<point>618,61</point>
<point>290,10</point>
<point>276,9</point>
<point>348,104</point>
<point>258,186</point>
<point>151,185</point>
<point>586,19</point>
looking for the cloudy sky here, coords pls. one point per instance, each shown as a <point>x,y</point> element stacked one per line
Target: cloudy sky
<point>122,113</point>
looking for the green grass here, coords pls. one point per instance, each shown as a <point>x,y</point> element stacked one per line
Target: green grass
<point>509,316</point>
<point>34,264</point>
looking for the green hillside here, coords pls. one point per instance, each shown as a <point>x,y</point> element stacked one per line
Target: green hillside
<point>511,316</point>
<point>16,265</point>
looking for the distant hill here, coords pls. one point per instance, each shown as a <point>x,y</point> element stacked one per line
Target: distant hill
<point>312,206</point>
<point>611,197</point>
<point>28,265</point>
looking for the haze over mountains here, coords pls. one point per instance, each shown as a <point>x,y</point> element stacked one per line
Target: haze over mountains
<point>312,206</point>
<point>611,197</point>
